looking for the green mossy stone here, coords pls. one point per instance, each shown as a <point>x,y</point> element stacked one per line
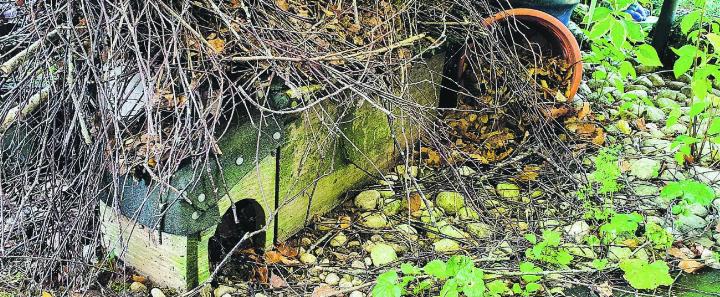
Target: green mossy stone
<point>508,191</point>
<point>367,200</point>
<point>374,220</point>
<point>450,202</point>
<point>382,254</point>
<point>467,213</point>
<point>446,245</point>
<point>480,230</point>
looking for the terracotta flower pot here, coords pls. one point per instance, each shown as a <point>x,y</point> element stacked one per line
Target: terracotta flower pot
<point>555,33</point>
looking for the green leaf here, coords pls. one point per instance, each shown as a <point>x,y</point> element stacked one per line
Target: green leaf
<point>661,238</point>
<point>647,55</point>
<point>714,40</point>
<point>449,289</point>
<point>627,69</point>
<point>552,238</point>
<point>475,286</point>
<point>701,87</point>
<point>714,127</point>
<point>697,192</point>
<point>601,27</point>
<point>599,264</point>
<point>422,286</point>
<point>436,268</point>
<point>497,288</point>
<point>698,107</point>
<point>634,31</point>
<point>409,269</point>
<point>532,287</point>
<point>387,285</point>
<point>563,257</point>
<point>617,33</point>
<point>529,267</point>
<point>532,238</point>
<point>689,21</point>
<point>671,191</point>
<point>643,276</point>
<point>682,65</point>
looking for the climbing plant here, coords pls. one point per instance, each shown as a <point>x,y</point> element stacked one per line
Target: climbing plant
<point>698,59</point>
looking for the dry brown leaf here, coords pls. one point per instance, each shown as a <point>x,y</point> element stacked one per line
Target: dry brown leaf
<point>432,158</point>
<point>632,242</point>
<point>414,202</point>
<point>584,111</point>
<point>345,222</point>
<point>624,165</point>
<point>272,257</point>
<point>679,253</point>
<point>261,273</point>
<point>277,282</point>
<point>138,278</point>
<point>287,250</point>
<point>529,173</point>
<point>217,44</point>
<point>690,266</point>
<point>640,124</point>
<point>323,291</point>
<point>557,112</point>
<point>599,138</point>
<point>282,4</point>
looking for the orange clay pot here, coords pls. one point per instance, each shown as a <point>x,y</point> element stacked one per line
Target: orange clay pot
<point>555,32</point>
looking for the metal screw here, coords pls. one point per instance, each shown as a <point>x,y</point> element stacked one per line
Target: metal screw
<point>239,161</point>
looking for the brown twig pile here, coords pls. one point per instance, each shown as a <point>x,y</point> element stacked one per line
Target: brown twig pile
<point>93,90</point>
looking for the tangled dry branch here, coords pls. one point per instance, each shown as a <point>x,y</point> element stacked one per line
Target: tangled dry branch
<point>94,90</point>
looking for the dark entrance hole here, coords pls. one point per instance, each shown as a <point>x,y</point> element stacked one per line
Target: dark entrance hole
<point>248,217</point>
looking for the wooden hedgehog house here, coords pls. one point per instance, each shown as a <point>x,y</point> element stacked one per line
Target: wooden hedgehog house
<point>266,174</point>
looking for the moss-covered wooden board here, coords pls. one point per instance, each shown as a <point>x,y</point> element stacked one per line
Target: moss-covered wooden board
<point>280,166</point>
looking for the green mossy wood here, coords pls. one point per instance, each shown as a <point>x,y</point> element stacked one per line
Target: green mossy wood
<point>173,248</point>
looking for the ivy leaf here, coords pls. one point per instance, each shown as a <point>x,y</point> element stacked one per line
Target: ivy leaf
<point>436,268</point>
<point>387,285</point>
<point>643,276</point>
<point>647,55</point>
<point>689,21</point>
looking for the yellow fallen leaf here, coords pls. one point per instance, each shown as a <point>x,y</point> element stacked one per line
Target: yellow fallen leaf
<point>46,294</point>
<point>690,266</point>
<point>584,111</point>
<point>217,44</point>
<point>282,4</point>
